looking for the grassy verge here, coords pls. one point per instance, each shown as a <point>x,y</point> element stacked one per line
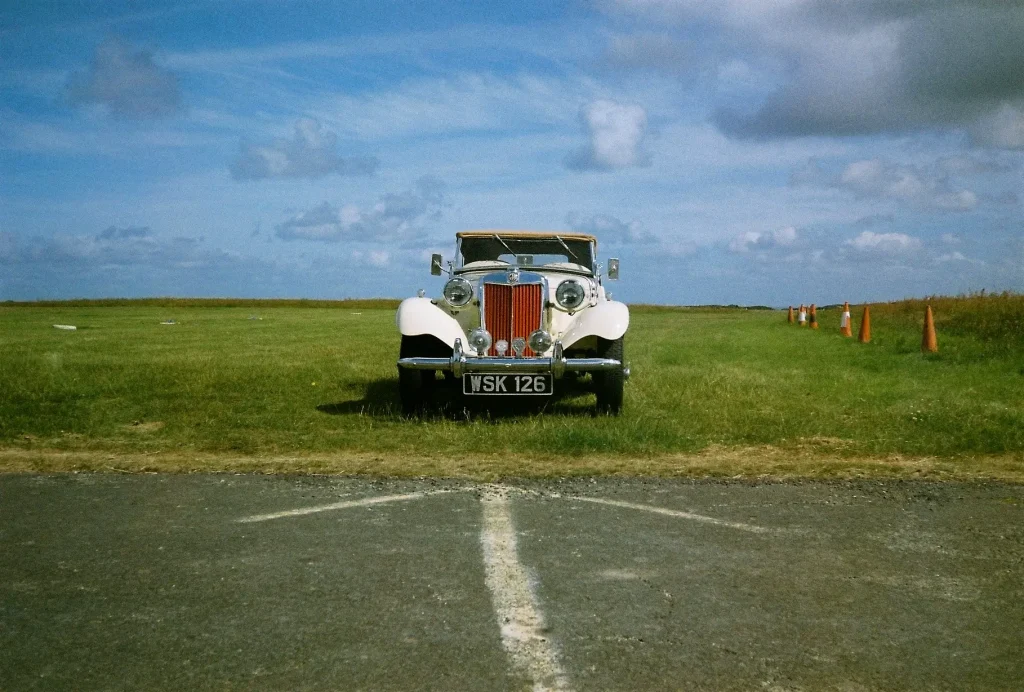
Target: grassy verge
<point>755,463</point>
<point>307,389</point>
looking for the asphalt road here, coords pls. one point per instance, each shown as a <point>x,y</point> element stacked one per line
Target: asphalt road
<point>293,583</point>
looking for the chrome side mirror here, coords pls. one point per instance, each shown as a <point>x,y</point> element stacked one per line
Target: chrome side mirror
<point>435,265</point>
<point>613,269</point>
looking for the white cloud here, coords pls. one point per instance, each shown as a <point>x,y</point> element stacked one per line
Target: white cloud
<point>784,236</point>
<point>393,216</point>
<point>1002,128</point>
<point>965,164</point>
<point>374,258</point>
<point>872,220</point>
<point>115,247</point>
<point>312,153</point>
<point>883,245</point>
<point>757,241</point>
<point>609,229</point>
<point>323,222</point>
<point>457,103</point>
<point>537,40</point>
<point>616,134</point>
<point>961,200</point>
<point>957,258</point>
<point>847,68</point>
<point>127,81</point>
<point>875,178</point>
<point>133,261</point>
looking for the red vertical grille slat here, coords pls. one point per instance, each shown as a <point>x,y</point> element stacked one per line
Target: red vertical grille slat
<point>504,316</point>
<point>498,317</point>
<point>512,311</point>
<point>525,312</point>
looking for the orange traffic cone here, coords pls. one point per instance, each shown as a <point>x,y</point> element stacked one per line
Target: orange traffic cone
<point>803,315</point>
<point>929,343</point>
<point>814,316</point>
<point>844,322</point>
<point>791,319</point>
<point>865,326</point>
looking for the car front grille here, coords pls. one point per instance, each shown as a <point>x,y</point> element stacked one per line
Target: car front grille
<point>512,311</point>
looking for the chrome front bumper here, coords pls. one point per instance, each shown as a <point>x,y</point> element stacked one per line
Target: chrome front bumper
<point>556,364</point>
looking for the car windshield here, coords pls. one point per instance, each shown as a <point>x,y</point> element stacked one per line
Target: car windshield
<point>567,253</point>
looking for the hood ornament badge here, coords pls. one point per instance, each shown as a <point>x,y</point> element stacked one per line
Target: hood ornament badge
<point>513,275</point>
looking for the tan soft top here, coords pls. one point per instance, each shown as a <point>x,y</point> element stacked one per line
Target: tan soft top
<point>566,235</point>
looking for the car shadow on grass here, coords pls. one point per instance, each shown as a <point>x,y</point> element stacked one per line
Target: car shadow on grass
<point>573,396</point>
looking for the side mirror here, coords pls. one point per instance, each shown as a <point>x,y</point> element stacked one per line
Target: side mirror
<point>435,265</point>
<point>613,269</point>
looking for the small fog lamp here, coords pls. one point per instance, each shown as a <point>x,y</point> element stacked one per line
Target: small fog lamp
<point>480,340</point>
<point>540,341</point>
<point>519,345</point>
<point>501,347</point>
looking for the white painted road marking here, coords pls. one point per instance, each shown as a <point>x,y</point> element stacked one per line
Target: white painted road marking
<point>519,615</point>
<point>520,619</point>
<point>677,513</point>
<point>340,505</point>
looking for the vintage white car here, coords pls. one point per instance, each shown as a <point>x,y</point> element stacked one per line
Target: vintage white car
<point>520,310</point>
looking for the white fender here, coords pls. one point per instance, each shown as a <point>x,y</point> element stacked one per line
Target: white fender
<point>608,320</point>
<point>419,316</point>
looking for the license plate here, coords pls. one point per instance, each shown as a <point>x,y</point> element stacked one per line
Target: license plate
<point>493,383</point>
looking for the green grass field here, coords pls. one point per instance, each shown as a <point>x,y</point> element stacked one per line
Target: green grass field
<point>314,389</point>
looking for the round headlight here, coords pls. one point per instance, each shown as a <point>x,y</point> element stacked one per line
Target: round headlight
<point>570,294</point>
<point>458,292</point>
<point>540,341</point>
<point>480,340</point>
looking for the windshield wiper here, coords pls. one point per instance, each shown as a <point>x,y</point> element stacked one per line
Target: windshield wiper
<point>510,250</point>
<point>568,249</point>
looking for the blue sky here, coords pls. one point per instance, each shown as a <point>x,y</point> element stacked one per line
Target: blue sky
<point>742,151</point>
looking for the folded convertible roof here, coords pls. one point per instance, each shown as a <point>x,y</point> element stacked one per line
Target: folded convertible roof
<point>565,235</point>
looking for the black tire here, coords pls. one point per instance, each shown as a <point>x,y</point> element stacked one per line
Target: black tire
<point>608,384</point>
<point>415,386</point>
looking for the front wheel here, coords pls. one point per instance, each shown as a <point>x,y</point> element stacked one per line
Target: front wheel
<point>608,384</point>
<point>414,386</point>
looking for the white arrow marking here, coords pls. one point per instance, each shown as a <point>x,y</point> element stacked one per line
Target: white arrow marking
<point>339,505</point>
<point>677,513</point>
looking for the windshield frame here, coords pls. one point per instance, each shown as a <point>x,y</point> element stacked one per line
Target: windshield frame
<point>554,238</point>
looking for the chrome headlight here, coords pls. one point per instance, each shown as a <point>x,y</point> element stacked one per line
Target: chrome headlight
<point>540,341</point>
<point>458,292</point>
<point>480,340</point>
<point>570,294</point>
